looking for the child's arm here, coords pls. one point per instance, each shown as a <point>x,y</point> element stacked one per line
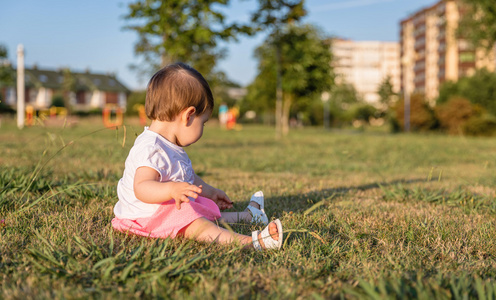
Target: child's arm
<point>149,189</point>
<point>217,195</point>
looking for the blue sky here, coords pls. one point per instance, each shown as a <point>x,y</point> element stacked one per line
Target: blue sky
<point>88,34</point>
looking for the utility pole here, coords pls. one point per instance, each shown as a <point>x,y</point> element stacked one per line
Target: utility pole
<point>325,99</point>
<point>20,86</point>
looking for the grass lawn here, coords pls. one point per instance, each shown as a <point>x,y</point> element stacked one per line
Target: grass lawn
<point>365,214</point>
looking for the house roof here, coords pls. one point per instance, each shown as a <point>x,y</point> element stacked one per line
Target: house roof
<point>54,79</point>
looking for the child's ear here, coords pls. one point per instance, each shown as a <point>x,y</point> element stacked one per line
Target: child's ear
<point>188,113</point>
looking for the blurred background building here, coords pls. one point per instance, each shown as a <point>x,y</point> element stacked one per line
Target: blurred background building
<point>432,51</point>
<point>365,64</point>
<point>84,90</point>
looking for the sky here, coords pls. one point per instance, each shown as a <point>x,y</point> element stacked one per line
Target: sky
<point>89,34</point>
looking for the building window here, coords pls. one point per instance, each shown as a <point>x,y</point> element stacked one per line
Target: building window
<point>43,78</point>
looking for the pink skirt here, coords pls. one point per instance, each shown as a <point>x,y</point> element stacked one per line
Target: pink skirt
<point>167,221</point>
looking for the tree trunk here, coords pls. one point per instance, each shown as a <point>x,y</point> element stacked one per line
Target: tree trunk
<point>288,100</point>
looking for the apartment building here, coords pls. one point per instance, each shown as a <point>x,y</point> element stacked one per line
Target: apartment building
<point>365,64</point>
<point>431,52</point>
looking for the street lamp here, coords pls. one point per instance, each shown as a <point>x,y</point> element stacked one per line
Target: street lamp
<point>325,100</point>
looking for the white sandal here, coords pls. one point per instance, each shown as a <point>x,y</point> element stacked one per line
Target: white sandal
<point>258,215</point>
<point>269,242</point>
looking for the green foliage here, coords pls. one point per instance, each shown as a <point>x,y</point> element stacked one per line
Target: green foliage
<point>68,86</point>
<point>306,61</point>
<point>276,13</point>
<point>345,95</point>
<point>262,91</point>
<point>386,93</point>
<point>180,30</point>
<point>362,112</point>
<point>135,99</point>
<point>478,89</point>
<point>422,116</point>
<point>478,23</point>
<point>483,125</point>
<point>58,100</point>
<point>7,73</point>
<point>305,70</point>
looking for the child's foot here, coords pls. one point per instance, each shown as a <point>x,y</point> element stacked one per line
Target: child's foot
<point>256,208</point>
<point>269,238</point>
<point>274,233</point>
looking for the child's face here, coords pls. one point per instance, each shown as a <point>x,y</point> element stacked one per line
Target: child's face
<point>194,131</point>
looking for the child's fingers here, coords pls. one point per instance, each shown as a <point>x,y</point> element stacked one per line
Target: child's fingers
<point>192,194</point>
<point>182,199</point>
<point>197,189</point>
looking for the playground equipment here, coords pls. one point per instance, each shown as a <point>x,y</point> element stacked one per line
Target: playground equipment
<point>53,114</point>
<point>140,108</point>
<point>232,115</point>
<point>29,115</point>
<point>107,114</point>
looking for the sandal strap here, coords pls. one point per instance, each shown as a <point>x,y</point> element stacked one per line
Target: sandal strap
<point>258,216</point>
<point>256,242</point>
<point>258,197</point>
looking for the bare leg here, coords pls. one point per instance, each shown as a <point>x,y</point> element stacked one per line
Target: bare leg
<point>204,230</point>
<point>236,217</point>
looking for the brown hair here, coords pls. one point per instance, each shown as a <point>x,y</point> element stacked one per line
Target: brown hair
<point>174,88</point>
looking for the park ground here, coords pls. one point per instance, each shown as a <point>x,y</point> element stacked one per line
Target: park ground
<point>366,215</point>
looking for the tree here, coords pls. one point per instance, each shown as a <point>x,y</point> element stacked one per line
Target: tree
<point>180,30</point>
<point>7,74</point>
<point>272,15</point>
<point>386,92</point>
<point>345,95</point>
<point>479,22</point>
<point>68,87</point>
<point>304,67</point>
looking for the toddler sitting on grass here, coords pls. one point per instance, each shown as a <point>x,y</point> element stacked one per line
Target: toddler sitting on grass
<point>159,193</point>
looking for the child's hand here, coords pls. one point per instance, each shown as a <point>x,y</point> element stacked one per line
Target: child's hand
<point>221,199</point>
<point>182,190</point>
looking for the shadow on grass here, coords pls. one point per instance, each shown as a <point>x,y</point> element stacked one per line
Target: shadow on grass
<point>299,203</point>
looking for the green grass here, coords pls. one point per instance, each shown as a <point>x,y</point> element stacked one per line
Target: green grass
<point>366,215</point>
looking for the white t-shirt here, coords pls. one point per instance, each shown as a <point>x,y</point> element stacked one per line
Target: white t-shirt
<point>150,150</point>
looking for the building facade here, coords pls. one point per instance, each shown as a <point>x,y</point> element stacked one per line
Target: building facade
<point>86,91</point>
<point>432,52</point>
<point>365,65</point>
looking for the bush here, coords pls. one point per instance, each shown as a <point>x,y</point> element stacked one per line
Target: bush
<point>453,114</point>
<point>483,125</point>
<point>135,98</point>
<point>478,89</point>
<point>362,112</point>
<point>58,101</point>
<point>421,115</point>
<point>87,113</point>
